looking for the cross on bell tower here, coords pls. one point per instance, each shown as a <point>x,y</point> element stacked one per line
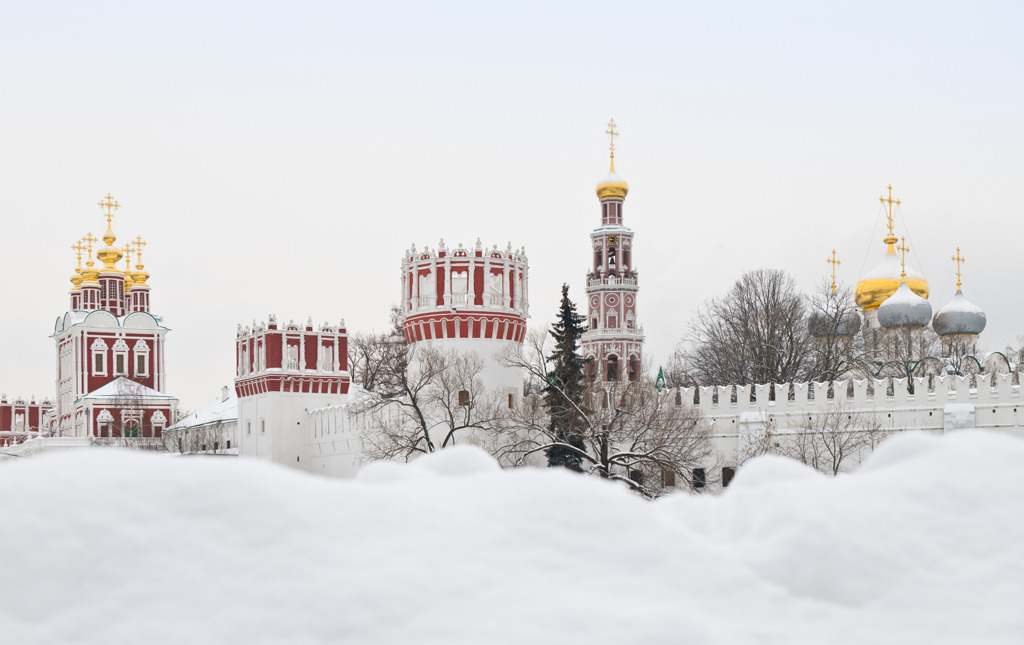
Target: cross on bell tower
<point>612,133</point>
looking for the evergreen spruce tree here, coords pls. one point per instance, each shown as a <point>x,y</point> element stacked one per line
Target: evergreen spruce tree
<point>563,395</point>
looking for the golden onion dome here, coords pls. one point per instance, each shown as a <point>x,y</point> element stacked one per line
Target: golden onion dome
<point>140,276</point>
<point>881,282</point>
<point>90,274</point>
<point>109,255</point>
<point>76,280</point>
<point>612,185</point>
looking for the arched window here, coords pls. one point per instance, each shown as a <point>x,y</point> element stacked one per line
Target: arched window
<point>613,368</point>
<point>99,357</point>
<point>120,358</point>
<point>634,368</point>
<point>105,420</point>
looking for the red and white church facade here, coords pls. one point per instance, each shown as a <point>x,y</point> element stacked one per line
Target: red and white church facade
<point>110,358</point>
<point>111,378</point>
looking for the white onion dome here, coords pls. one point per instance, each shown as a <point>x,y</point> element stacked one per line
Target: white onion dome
<point>904,310</point>
<point>612,185</point>
<point>959,317</point>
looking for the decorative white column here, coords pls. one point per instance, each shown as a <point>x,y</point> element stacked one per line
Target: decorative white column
<point>448,281</point>
<point>486,299</point>
<point>506,288</point>
<point>433,278</point>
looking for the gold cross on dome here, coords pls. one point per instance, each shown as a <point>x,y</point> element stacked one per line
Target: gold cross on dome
<point>111,205</point>
<point>890,201</point>
<point>78,247</point>
<point>959,260</point>
<point>834,262</point>
<point>139,244</point>
<point>903,248</point>
<point>89,240</point>
<point>128,250</point>
<point>612,133</point>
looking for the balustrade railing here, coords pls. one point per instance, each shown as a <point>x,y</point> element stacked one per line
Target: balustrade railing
<point>612,282</point>
<point>491,301</point>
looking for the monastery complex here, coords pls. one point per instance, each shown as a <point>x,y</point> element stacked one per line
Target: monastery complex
<point>294,401</point>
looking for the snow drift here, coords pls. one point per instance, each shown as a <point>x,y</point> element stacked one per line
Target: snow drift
<point>924,544</point>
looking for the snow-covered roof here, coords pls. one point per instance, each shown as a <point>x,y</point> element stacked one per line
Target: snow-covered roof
<point>891,268</point>
<point>121,387</point>
<point>611,178</point>
<point>904,309</point>
<point>217,412</point>
<point>959,316</point>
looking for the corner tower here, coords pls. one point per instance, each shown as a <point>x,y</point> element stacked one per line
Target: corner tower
<point>469,300</point>
<point>613,342</point>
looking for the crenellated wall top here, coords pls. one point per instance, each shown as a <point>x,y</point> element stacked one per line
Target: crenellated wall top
<point>878,393</point>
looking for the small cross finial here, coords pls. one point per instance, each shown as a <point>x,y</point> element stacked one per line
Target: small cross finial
<point>78,247</point>
<point>612,133</point>
<point>834,262</point>
<point>111,206</point>
<point>888,213</point>
<point>128,250</point>
<point>139,245</point>
<point>89,240</point>
<point>959,260</point>
<point>903,248</point>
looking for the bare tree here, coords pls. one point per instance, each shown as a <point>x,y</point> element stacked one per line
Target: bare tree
<point>826,441</point>
<point>756,333</point>
<point>629,431</point>
<point>962,357</point>
<point>127,412</point>
<point>905,348</point>
<point>372,356</point>
<point>432,398</point>
<point>837,348</point>
<point>676,373</point>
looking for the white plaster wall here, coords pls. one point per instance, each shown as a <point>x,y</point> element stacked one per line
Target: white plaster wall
<point>495,376</point>
<point>288,426</point>
<point>336,445</point>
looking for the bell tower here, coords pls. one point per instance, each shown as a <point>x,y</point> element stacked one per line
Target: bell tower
<point>613,342</point>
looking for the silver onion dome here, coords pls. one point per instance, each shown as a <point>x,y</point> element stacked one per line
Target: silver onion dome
<point>959,317</point>
<point>822,326</point>
<point>904,309</point>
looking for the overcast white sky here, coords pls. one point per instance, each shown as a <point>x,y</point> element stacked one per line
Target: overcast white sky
<point>279,157</point>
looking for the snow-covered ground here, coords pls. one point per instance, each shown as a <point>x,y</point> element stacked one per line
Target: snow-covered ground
<point>924,545</point>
